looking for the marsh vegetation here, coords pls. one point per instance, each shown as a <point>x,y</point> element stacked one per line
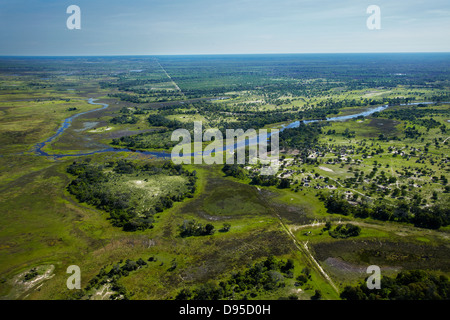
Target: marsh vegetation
<point>369,190</point>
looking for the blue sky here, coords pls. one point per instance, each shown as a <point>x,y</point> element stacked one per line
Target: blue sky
<point>154,27</point>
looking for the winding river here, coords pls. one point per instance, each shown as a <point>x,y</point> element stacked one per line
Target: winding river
<point>68,121</point>
<point>66,124</point>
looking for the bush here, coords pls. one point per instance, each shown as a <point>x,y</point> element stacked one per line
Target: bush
<point>302,279</point>
<point>265,275</point>
<point>349,230</point>
<point>317,295</point>
<point>31,274</point>
<point>193,228</point>
<point>226,227</point>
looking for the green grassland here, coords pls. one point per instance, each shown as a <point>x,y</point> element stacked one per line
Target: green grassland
<point>47,228</point>
<point>63,232</point>
<point>364,151</point>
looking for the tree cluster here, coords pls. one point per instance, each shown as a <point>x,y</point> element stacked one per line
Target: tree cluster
<point>267,275</point>
<point>407,285</point>
<point>192,227</point>
<point>111,277</point>
<point>341,231</point>
<point>90,186</point>
<point>430,217</point>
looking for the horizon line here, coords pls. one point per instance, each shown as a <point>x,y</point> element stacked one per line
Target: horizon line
<point>213,54</point>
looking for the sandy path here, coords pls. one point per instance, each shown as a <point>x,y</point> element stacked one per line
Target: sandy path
<point>168,76</point>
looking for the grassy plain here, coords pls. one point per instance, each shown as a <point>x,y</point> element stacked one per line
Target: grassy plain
<point>43,225</point>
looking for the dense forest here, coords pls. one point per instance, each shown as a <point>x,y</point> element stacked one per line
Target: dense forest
<point>431,217</point>
<point>407,285</point>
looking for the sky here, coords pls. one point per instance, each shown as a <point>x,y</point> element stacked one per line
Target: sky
<point>173,27</point>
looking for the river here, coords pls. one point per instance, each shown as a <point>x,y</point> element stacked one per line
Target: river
<point>68,121</point>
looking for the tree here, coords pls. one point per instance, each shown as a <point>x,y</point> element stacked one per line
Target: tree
<point>426,219</point>
<point>349,230</point>
<point>317,295</point>
<point>193,228</point>
<point>130,265</point>
<point>307,272</point>
<point>226,227</point>
<point>234,170</point>
<point>302,279</point>
<point>173,266</point>
<point>270,263</point>
<point>31,274</point>
<point>288,266</point>
<point>352,293</point>
<point>284,183</point>
<point>293,296</point>
<point>208,291</point>
<point>407,285</point>
<point>209,229</point>
<point>141,262</point>
<point>184,294</point>
<point>434,196</point>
